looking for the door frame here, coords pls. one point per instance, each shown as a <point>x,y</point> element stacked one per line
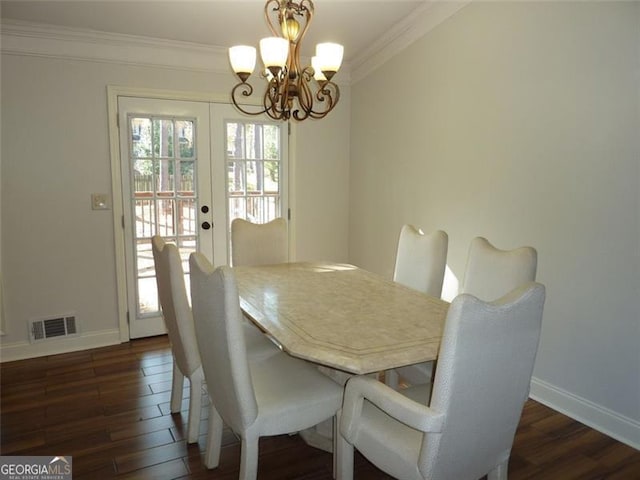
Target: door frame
<point>113,92</point>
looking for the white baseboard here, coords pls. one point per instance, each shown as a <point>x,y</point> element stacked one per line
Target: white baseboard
<point>624,429</point>
<point>23,350</point>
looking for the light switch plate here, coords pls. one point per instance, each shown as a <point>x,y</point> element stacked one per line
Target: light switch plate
<point>100,201</point>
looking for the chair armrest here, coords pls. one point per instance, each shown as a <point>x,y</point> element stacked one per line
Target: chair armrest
<point>393,403</point>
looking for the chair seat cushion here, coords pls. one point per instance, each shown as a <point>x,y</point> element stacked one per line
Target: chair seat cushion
<point>292,394</point>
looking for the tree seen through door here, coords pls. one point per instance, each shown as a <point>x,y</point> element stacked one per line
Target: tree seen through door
<point>254,162</point>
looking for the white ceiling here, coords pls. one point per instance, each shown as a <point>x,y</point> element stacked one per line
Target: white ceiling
<point>354,23</point>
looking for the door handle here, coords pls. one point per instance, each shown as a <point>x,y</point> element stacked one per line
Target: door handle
<point>206,225</point>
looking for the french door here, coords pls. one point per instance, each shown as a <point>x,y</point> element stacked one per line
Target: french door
<point>188,168</point>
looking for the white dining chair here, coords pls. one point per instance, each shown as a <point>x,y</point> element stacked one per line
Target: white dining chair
<point>179,323</point>
<point>420,264</point>
<point>254,244</point>
<point>258,244</point>
<point>278,395</point>
<point>176,311</point>
<point>465,428</point>
<point>421,260</point>
<point>490,272</point>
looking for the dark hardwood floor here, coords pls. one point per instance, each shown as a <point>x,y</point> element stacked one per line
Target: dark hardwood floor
<point>108,408</point>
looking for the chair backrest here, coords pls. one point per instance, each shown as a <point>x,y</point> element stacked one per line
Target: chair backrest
<point>482,381</point>
<point>218,321</point>
<point>492,273</point>
<point>421,260</point>
<point>258,244</point>
<point>174,302</point>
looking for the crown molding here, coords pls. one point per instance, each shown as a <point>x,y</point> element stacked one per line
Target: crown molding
<point>31,39</point>
<point>42,40</point>
<point>420,22</point>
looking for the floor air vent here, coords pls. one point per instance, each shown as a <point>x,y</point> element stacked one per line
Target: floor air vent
<point>53,328</point>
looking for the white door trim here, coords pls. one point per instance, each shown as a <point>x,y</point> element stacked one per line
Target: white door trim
<point>113,92</point>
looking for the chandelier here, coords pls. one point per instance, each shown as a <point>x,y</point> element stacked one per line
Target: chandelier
<point>292,90</point>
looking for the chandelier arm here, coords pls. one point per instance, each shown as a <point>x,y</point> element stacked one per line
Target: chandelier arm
<point>246,92</point>
<point>298,117</point>
<point>305,98</point>
<point>284,97</point>
<point>308,4</point>
<point>304,110</point>
<point>305,9</point>
<point>293,62</point>
<point>276,98</point>
<point>304,95</point>
<point>270,99</point>
<point>328,94</point>
<point>307,73</point>
<point>330,90</point>
<point>269,18</point>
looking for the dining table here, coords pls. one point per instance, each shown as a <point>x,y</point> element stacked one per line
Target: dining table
<point>341,316</point>
<point>345,319</point>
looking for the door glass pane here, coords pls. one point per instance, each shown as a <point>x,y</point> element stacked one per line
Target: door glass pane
<point>187,217</point>
<point>254,165</point>
<point>237,207</point>
<point>165,199</point>
<point>166,218</point>
<point>185,138</point>
<point>253,176</point>
<point>143,177</point>
<point>235,172</point>
<point>145,218</point>
<point>141,137</point>
<point>163,137</point>
<point>271,177</point>
<point>165,178</point>
<point>186,186</point>
<point>146,276</point>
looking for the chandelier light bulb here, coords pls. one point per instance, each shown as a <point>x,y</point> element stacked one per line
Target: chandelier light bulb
<point>274,51</point>
<point>243,60</point>
<point>329,57</point>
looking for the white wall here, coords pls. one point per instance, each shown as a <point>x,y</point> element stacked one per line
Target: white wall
<point>322,187</point>
<point>520,122</point>
<point>58,254</point>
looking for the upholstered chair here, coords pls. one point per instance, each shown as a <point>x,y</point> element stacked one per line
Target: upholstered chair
<point>178,319</point>
<point>258,244</point>
<point>179,322</point>
<point>420,264</point>
<point>278,395</point>
<point>421,260</point>
<point>255,244</point>
<point>490,272</point>
<point>464,428</point>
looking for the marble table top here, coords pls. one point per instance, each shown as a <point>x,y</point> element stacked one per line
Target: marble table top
<point>341,316</point>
